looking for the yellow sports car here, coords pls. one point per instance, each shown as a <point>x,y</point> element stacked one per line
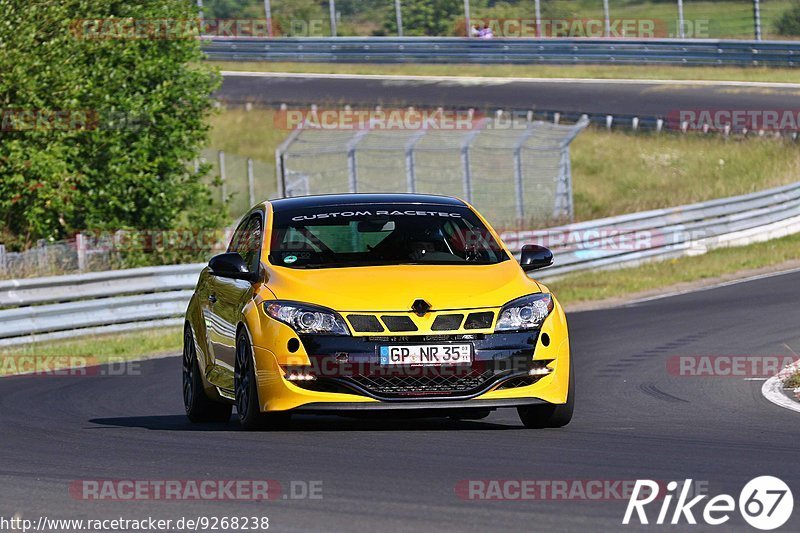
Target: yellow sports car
<point>353,303</point>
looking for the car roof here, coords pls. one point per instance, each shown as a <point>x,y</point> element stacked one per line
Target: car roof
<point>327,200</point>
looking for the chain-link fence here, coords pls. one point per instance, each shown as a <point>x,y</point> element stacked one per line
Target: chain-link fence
<point>519,175</point>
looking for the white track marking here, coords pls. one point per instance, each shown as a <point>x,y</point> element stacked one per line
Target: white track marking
<point>772,389</point>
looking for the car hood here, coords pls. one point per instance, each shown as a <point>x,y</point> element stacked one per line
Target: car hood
<point>394,288</point>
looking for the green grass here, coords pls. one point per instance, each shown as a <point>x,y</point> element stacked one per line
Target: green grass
<point>617,173</point>
<point>644,72</point>
<point>613,172</point>
<point>793,381</point>
<point>95,349</point>
<point>592,286</point>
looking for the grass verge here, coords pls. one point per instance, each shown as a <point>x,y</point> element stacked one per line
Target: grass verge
<point>793,382</point>
<point>97,349</point>
<point>641,72</point>
<point>608,284</point>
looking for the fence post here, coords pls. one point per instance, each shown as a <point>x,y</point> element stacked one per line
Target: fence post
<point>223,187</point>
<point>332,6</point>
<point>268,15</point>
<point>757,19</point>
<point>467,20</point>
<point>251,182</point>
<point>564,206</point>
<point>352,163</point>
<point>465,163</point>
<point>607,17</point>
<point>681,23</point>
<point>411,167</point>
<point>41,257</point>
<point>398,12</point>
<point>3,267</point>
<point>80,245</point>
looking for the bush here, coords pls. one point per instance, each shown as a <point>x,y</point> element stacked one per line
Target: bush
<point>133,115</point>
<point>789,22</point>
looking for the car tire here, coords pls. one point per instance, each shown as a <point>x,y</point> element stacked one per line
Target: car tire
<point>550,415</point>
<point>247,402</point>
<point>199,407</point>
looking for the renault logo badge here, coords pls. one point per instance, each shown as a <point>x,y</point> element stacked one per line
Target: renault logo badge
<point>420,307</point>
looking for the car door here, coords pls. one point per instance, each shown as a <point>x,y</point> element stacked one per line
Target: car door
<point>227,297</point>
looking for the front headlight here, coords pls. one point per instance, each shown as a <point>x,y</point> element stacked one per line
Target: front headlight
<point>523,313</point>
<point>307,319</point>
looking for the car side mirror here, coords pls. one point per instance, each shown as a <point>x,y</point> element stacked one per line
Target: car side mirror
<point>535,257</point>
<point>231,265</point>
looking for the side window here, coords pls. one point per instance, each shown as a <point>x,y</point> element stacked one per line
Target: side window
<point>247,242</point>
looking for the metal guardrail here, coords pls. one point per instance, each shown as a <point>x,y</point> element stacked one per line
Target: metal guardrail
<point>42,309</point>
<point>632,239</point>
<point>542,51</point>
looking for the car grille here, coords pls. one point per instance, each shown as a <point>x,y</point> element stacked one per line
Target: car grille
<point>365,323</point>
<point>432,382</point>
<point>399,323</point>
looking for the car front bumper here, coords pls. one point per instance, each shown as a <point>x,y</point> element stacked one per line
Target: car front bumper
<point>500,358</point>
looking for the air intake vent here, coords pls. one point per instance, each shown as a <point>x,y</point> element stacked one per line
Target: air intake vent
<point>479,320</point>
<point>365,323</point>
<point>399,323</point>
<point>447,322</point>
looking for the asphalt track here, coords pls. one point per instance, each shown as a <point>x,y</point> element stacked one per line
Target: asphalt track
<point>633,420</point>
<point>615,97</point>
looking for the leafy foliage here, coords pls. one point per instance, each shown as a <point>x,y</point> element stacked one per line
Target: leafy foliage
<point>789,22</point>
<point>144,107</point>
<point>427,17</point>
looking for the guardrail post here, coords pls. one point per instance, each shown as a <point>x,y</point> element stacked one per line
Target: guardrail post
<point>3,266</point>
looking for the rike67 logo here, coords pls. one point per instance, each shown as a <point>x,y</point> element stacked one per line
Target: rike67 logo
<point>765,503</point>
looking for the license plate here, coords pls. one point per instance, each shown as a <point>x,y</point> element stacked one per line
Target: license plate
<point>426,354</point>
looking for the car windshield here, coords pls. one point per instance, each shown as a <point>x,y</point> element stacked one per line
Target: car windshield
<point>384,234</point>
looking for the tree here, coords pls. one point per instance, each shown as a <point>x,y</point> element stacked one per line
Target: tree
<point>99,127</point>
<point>427,17</point>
